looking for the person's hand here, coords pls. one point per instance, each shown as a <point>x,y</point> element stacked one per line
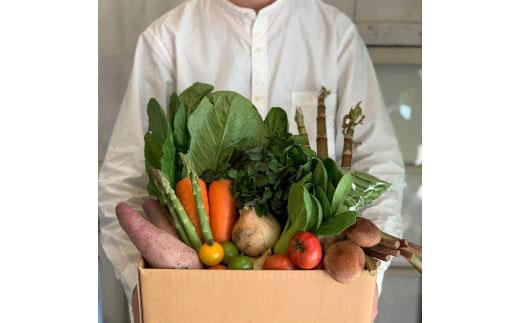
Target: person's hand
<point>374,307</point>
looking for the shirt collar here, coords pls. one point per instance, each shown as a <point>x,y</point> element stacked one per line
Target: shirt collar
<point>250,12</point>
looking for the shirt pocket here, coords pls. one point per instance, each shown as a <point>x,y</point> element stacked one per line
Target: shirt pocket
<point>308,102</point>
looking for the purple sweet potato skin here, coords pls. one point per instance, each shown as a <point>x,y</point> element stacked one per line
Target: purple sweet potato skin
<point>158,247</point>
<point>158,215</point>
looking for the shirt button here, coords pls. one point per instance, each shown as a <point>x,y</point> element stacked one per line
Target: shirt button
<point>258,50</point>
<point>257,98</point>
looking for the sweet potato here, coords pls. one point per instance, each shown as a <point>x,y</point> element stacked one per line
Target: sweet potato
<point>344,261</point>
<point>158,215</point>
<point>158,247</point>
<point>364,233</point>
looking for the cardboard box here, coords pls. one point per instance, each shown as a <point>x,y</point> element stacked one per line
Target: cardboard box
<point>243,296</point>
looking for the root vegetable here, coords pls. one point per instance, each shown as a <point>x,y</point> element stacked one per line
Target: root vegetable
<point>364,233</point>
<point>327,241</point>
<point>378,255</point>
<point>158,215</point>
<point>253,234</point>
<point>386,251</point>
<point>344,261</point>
<point>371,265</point>
<point>222,212</point>
<point>158,247</point>
<point>278,262</point>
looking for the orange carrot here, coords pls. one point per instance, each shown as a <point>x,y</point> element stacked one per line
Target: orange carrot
<point>222,212</point>
<point>184,192</point>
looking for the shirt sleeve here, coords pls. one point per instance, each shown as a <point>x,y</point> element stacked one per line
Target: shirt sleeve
<point>376,150</point>
<point>122,176</point>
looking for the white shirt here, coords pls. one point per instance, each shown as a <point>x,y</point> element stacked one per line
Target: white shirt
<point>280,56</point>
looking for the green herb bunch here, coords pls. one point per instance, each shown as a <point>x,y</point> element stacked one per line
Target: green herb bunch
<point>262,175</point>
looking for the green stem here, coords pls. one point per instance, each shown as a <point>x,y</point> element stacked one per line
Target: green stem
<point>201,210</point>
<point>161,182</point>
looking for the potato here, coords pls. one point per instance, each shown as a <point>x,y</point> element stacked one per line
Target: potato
<point>158,215</point>
<point>364,233</point>
<point>158,247</point>
<point>327,241</point>
<point>344,261</point>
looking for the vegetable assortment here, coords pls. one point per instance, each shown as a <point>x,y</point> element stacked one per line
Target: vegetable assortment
<point>233,188</point>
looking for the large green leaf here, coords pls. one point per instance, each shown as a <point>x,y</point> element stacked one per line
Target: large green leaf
<point>276,125</point>
<point>340,194</point>
<point>222,122</point>
<point>159,150</point>
<point>299,207</point>
<point>337,224</point>
<point>192,96</point>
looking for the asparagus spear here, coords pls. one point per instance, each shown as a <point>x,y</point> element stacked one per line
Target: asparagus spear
<point>321,138</point>
<point>201,210</point>
<point>176,222</point>
<point>162,184</point>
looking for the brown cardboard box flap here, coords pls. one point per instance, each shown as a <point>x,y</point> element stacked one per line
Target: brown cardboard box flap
<point>169,295</point>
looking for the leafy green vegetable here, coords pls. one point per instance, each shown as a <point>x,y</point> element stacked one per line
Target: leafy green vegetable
<point>159,150</point>
<point>317,214</point>
<point>192,96</point>
<point>324,201</point>
<point>340,194</point>
<point>300,208</point>
<point>337,224</point>
<point>263,174</point>
<point>174,105</point>
<point>333,171</point>
<point>319,173</point>
<point>276,128</point>
<point>181,136</point>
<point>223,122</point>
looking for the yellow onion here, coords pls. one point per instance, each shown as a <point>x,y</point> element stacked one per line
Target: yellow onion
<point>253,234</point>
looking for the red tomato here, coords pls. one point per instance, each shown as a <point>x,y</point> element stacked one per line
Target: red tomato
<point>304,250</point>
<point>278,262</point>
<point>217,267</point>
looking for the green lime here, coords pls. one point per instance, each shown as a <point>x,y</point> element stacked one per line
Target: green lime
<point>240,262</point>
<point>230,251</point>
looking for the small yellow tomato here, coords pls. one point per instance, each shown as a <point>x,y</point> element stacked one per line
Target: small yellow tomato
<point>211,253</point>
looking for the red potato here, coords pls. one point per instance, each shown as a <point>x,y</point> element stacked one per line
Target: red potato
<point>158,215</point>
<point>364,233</point>
<point>158,247</point>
